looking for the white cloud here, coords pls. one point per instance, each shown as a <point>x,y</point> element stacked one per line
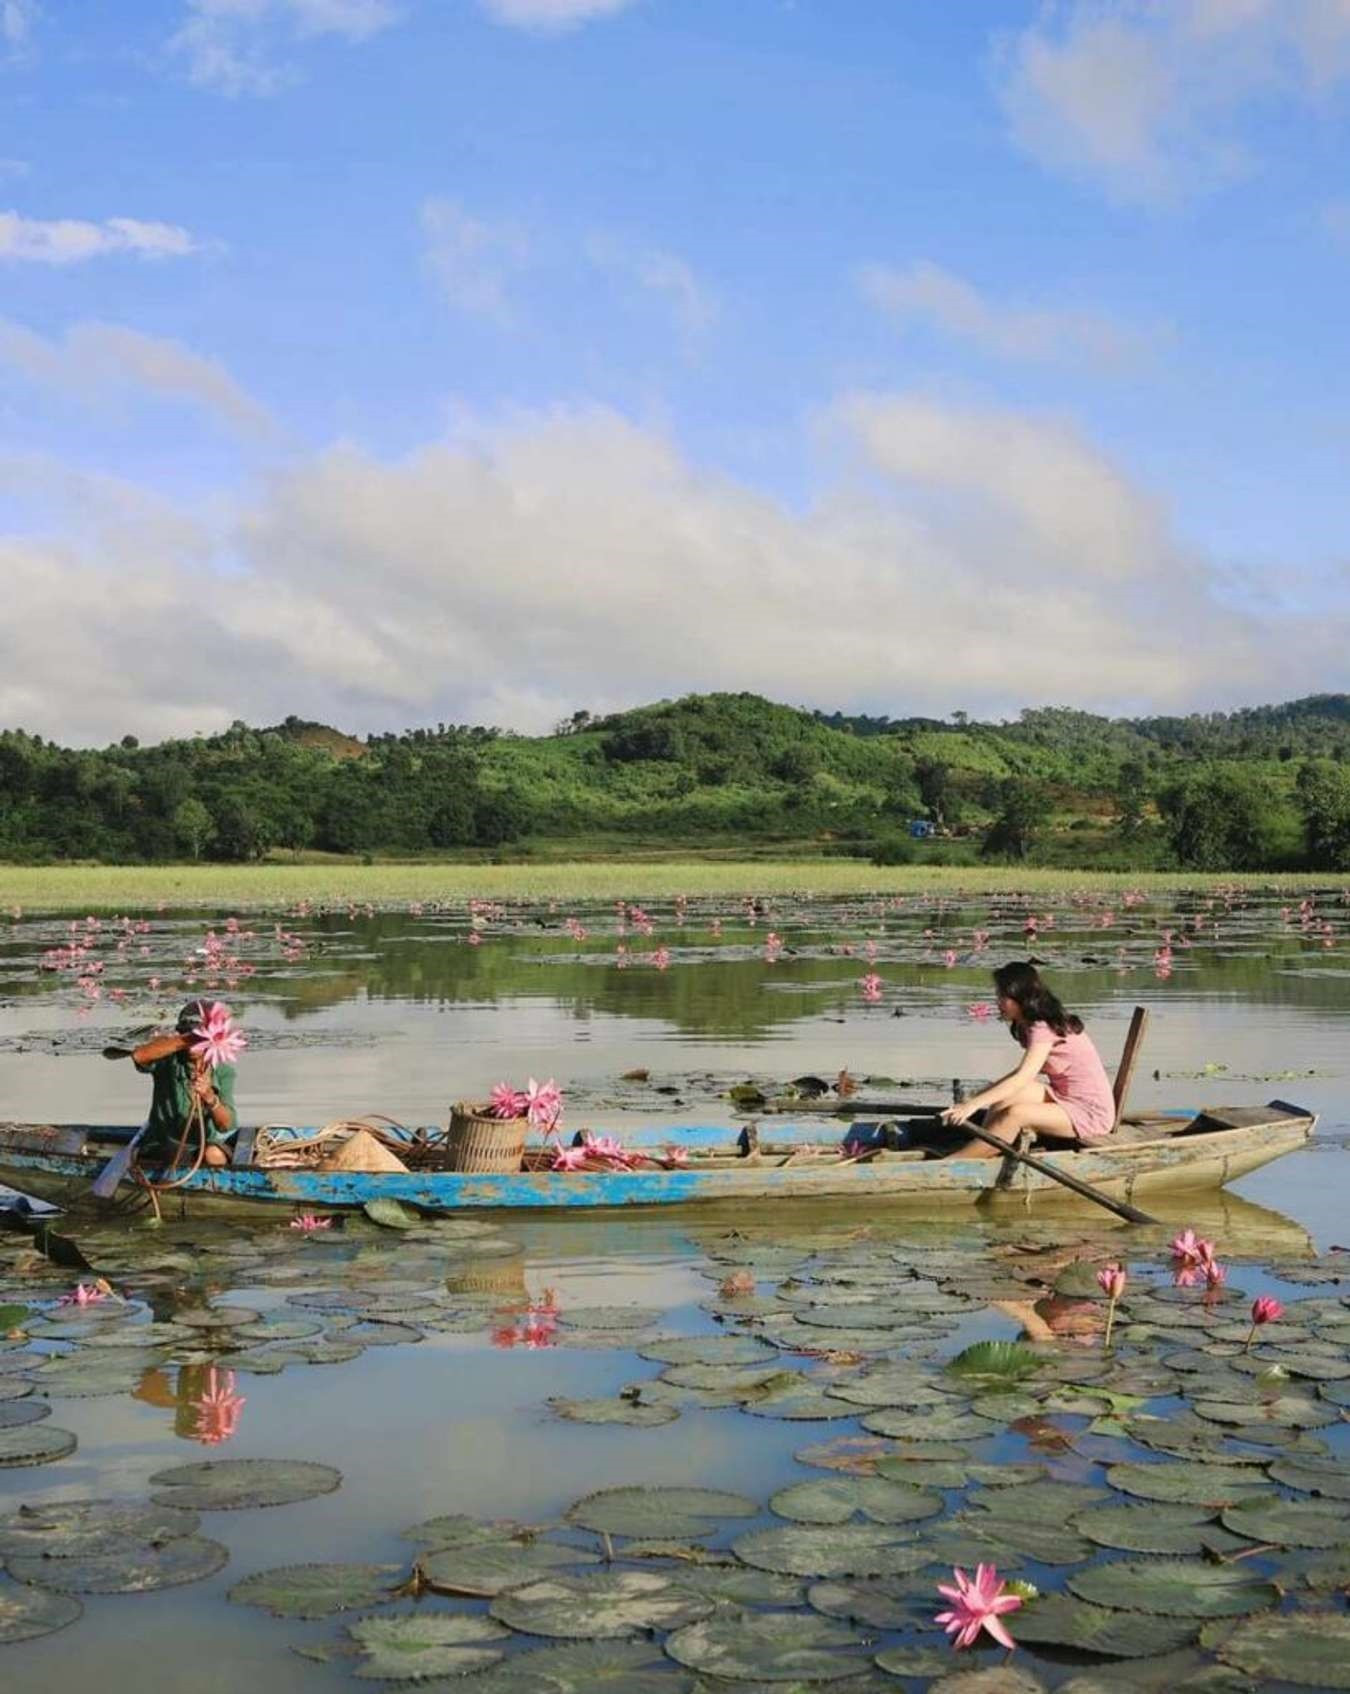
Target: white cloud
<point>1145,99</point>
<point>95,359</point>
<point>573,559</point>
<point>17,19</point>
<point>232,46</point>
<point>472,260</point>
<point>666,276</point>
<point>551,15</point>
<point>70,241</point>
<point>926,293</point>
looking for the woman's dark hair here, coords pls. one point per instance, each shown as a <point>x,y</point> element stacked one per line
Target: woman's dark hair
<point>1022,982</point>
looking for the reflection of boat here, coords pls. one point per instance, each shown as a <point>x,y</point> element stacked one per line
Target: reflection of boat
<point>1151,1155</point>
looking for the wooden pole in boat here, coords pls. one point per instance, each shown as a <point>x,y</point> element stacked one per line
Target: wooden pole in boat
<point>1121,1208</point>
<point>1129,1054</point>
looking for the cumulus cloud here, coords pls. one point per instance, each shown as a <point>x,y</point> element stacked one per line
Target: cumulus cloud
<point>1145,99</point>
<point>925,293</point>
<point>516,573</point>
<point>551,15</point>
<point>92,360</point>
<point>70,241</point>
<point>233,46</point>
<point>473,260</point>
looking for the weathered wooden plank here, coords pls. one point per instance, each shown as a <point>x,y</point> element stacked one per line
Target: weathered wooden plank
<point>1128,1058</point>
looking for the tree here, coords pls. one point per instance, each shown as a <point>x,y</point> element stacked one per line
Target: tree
<point>192,826</point>
<point>936,790</point>
<point>1132,793</point>
<point>240,832</point>
<point>1224,818</point>
<point>1023,805</point>
<point>1323,793</point>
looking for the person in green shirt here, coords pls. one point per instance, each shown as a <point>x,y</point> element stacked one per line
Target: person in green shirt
<point>177,1079</point>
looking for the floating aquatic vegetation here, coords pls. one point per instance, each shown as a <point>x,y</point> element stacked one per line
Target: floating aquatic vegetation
<point>605,1603</point>
<point>636,1413</point>
<point>34,1444</point>
<point>1310,1649</point>
<point>65,1529</point>
<point>675,1513</point>
<point>26,1613</point>
<point>217,1485</point>
<point>768,1647</point>
<point>486,1568</point>
<point>1179,1588</point>
<point>132,1567</point>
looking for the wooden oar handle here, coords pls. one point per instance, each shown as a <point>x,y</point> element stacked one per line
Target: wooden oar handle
<point>1121,1208</point>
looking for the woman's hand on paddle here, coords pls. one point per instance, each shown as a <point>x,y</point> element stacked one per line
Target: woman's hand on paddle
<point>958,1115</point>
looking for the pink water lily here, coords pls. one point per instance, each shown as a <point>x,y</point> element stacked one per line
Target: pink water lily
<point>507,1102</point>
<point>543,1105</point>
<point>675,1154</point>
<point>1191,1255</point>
<point>570,1158</point>
<point>308,1222</point>
<point>1265,1309</point>
<point>978,1604</point>
<point>1111,1279</point>
<point>217,1408</point>
<point>217,1039</point>
<point>87,1294</point>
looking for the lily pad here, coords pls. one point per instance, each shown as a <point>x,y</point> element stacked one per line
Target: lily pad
<point>1174,1588</point>
<point>1039,1502</point>
<point>391,1214</point>
<point>34,1444</point>
<point>608,1317</point>
<point>740,1587</point>
<point>633,1412</point>
<point>1288,1411</point>
<point>674,1513</point>
<point>997,1679</point>
<point>706,1350</point>
<point>1003,1539</point>
<point>916,1661</point>
<point>215,1317</point>
<point>796,1404</point>
<point>1189,1484</point>
<point>606,1603</point>
<point>955,1424</point>
<point>218,1485</point>
<point>581,1667</point>
<point>1311,1649</point>
<point>454,1529</point>
<point>1329,1477</point>
<point>1154,1528</point>
<point>883,1602</point>
<point>1062,1621</point>
<point>856,1455</point>
<point>134,1567</point>
<point>996,1361</point>
<point>422,1644</point>
<point>316,1591</point>
<point>73,1528</point>
<point>26,1613</point>
<point>897,1385</point>
<point>489,1567</point>
<point>767,1647</point>
<point>1291,1523</point>
<point>856,1549</point>
<point>14,1414</point>
<point>835,1500</point>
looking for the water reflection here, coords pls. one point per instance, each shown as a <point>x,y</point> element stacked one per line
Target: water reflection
<point>202,1397</point>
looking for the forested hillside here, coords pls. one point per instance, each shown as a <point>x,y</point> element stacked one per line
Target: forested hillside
<point>1265,787</point>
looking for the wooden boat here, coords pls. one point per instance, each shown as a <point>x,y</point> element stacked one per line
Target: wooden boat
<point>1150,1154</point>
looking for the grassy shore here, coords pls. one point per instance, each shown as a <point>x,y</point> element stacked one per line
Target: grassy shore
<point>234,887</point>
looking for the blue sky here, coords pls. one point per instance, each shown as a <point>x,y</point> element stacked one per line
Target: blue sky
<point>485,359</point>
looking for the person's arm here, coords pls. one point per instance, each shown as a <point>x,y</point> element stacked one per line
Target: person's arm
<point>214,1103</point>
<point>1033,1062</point>
<point>149,1053</point>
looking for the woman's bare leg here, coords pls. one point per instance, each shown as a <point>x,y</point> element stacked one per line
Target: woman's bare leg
<point>1031,1109</point>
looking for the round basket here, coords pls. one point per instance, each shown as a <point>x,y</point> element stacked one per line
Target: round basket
<point>480,1142</point>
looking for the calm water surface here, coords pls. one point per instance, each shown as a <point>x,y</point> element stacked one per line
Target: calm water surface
<point>400,1012</point>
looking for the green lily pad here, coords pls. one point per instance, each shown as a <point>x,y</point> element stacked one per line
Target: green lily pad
<point>316,1591</point>
<point>134,1567</point>
<point>14,1388</point>
<point>740,1587</point>
<point>34,1444</point>
<point>1183,1588</point>
<point>608,1317</point>
<point>1060,1620</point>
<point>1187,1671</point>
<point>884,1602</point>
<point>767,1647</point>
<point>73,1528</point>
<point>733,1379</point>
<point>896,1385</point>
<point>706,1350</point>
<point>855,1455</point>
<point>1039,1502</point>
<point>278,1329</point>
<point>856,1549</point>
<point>1189,1484</point>
<point>1004,1539</point>
<point>378,1332</point>
<point>937,1421</point>
<point>997,1679</point>
<point>218,1485</point>
<point>1291,1523</point>
<point>80,1376</point>
<point>633,1412</point>
<point>988,1362</point>
<point>835,1500</point>
<point>454,1529</point>
<point>604,1603</point>
<point>1329,1477</point>
<point>489,1567</point>
<point>26,1613</point>
<point>917,1661</point>
<point>582,1667</point>
<point>391,1214</point>
<point>14,1414</point>
<point>674,1513</point>
<point>1311,1649</point>
<point>422,1644</point>
<point>1287,1411</point>
<point>782,1398</point>
<point>1155,1528</point>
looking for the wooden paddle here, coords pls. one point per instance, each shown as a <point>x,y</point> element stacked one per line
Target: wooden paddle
<point>1121,1208</point>
<point>114,1172</point>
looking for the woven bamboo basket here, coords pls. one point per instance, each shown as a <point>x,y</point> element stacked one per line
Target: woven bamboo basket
<point>480,1142</point>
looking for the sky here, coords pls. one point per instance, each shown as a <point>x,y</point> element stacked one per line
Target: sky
<point>395,362</point>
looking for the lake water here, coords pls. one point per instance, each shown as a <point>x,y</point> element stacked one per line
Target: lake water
<point>354,1011</point>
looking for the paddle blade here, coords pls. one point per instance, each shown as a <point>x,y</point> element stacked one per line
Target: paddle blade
<point>115,1171</point>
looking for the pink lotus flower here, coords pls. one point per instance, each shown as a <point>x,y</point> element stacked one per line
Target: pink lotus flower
<point>474,939</point>
<point>543,1105</point>
<point>980,1010</point>
<point>1111,1280</point>
<point>217,1408</point>
<point>607,1148</point>
<point>86,1294</point>
<point>219,1040</point>
<point>1215,1274</point>
<point>308,1222</point>
<point>1265,1309</point>
<point>1191,1255</point>
<point>676,1155</point>
<point>871,987</point>
<point>508,1102</point>
<point>977,1605</point>
<point>570,1158</point>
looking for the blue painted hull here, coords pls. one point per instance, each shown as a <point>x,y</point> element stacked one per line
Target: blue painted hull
<point>36,1160</point>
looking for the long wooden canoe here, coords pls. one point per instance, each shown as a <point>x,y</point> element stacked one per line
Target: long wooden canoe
<point>1151,1154</point>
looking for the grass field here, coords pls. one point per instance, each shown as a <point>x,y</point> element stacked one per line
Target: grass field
<point>234,887</point>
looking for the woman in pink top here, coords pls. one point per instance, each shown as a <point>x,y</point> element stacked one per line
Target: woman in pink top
<point>1060,1091</point>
